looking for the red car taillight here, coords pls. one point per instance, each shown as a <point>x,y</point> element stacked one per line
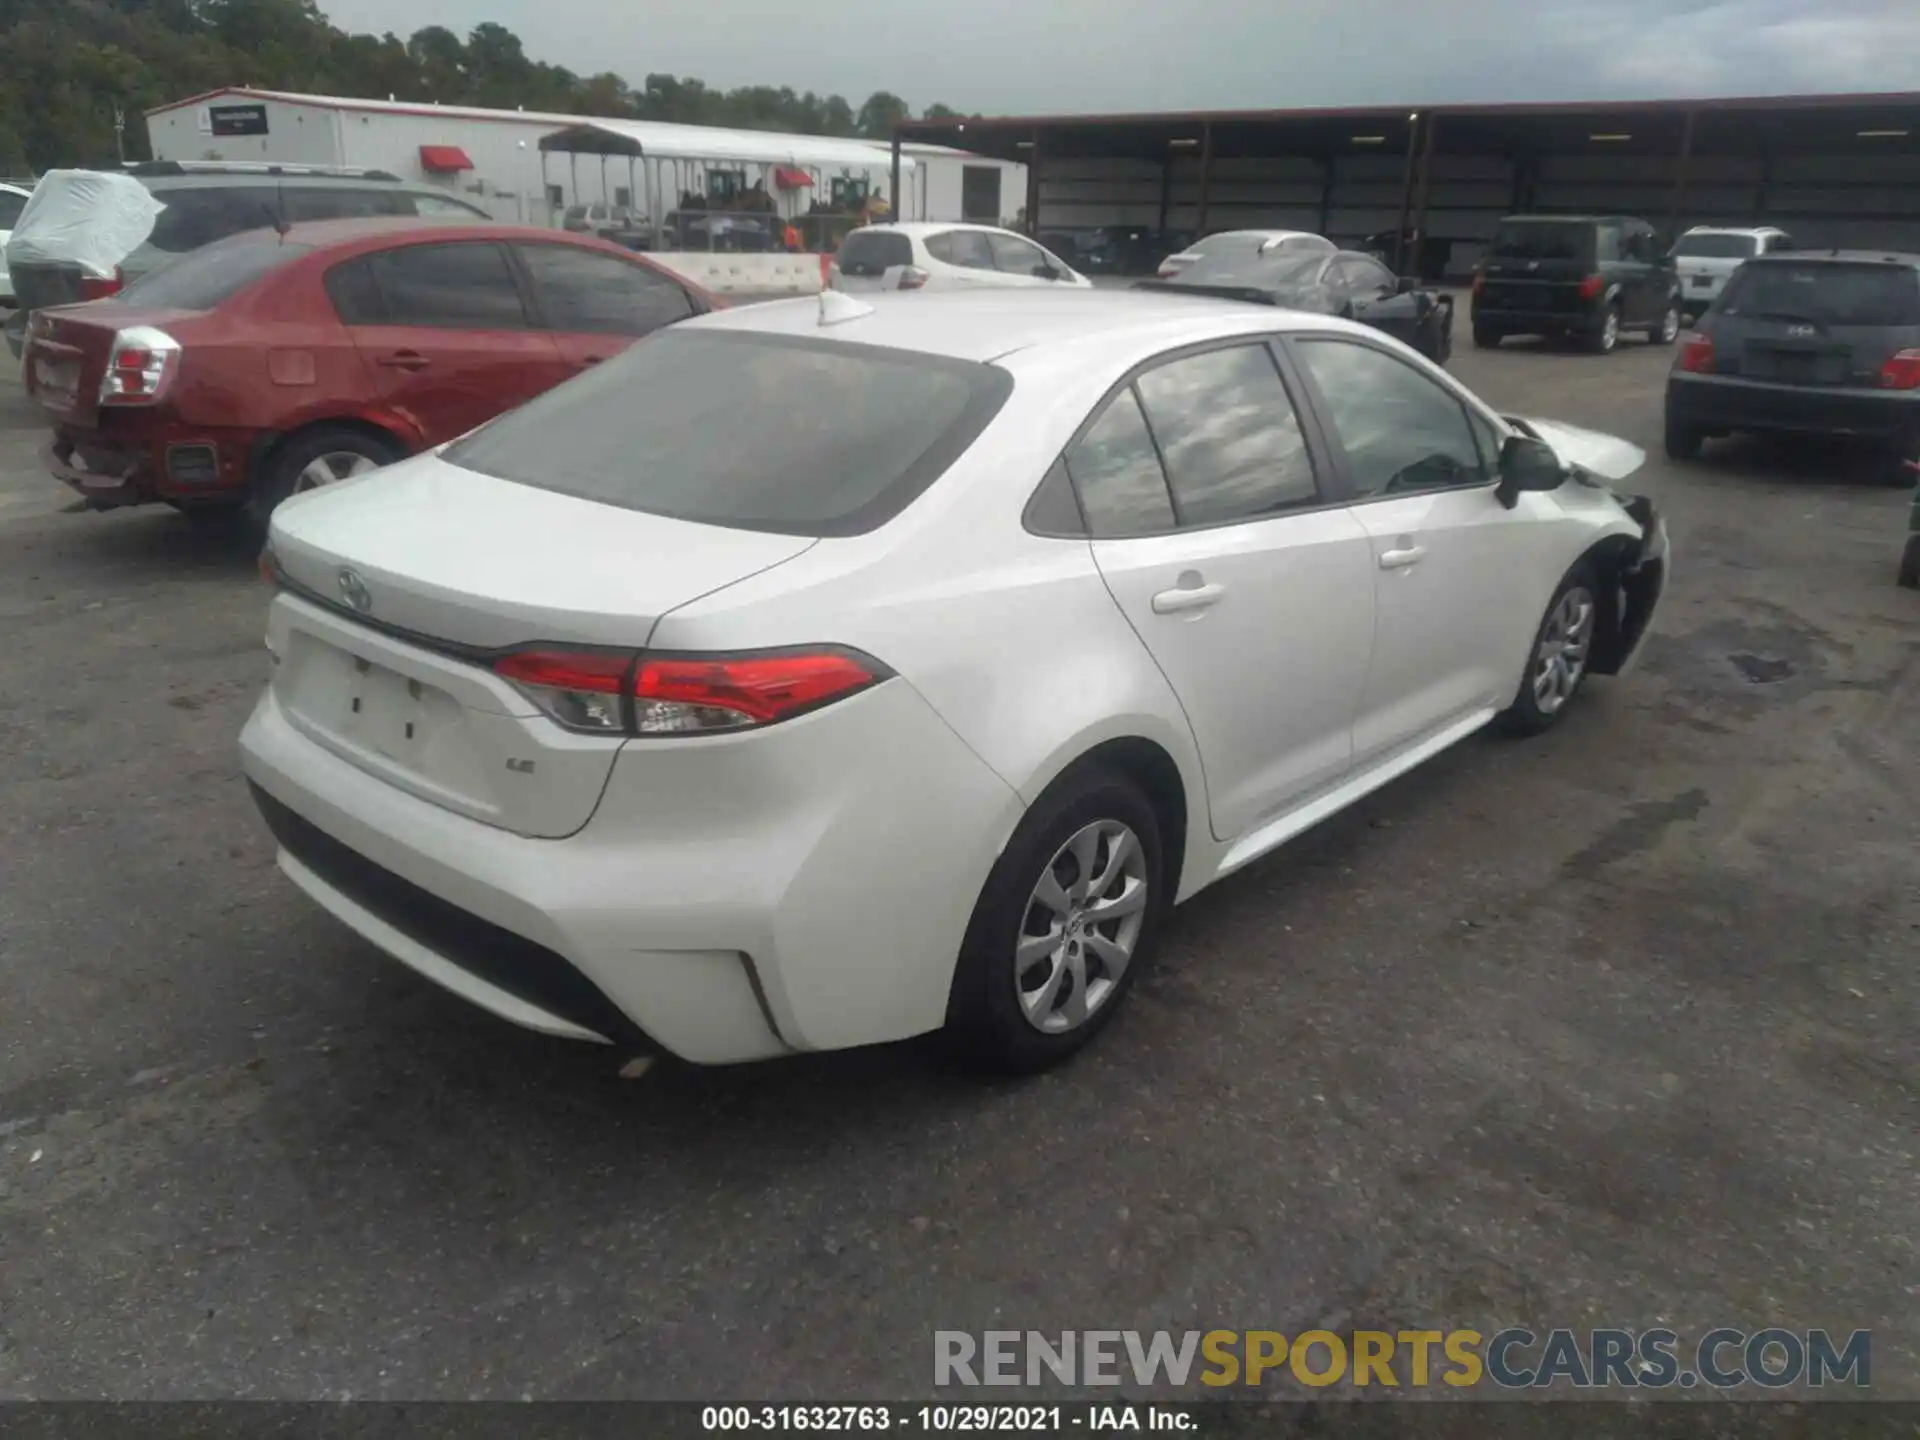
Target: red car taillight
<point>1902,372</point>
<point>1696,354</point>
<point>1591,287</point>
<point>93,287</point>
<point>611,693</point>
<point>1479,283</point>
<point>912,277</point>
<point>139,366</point>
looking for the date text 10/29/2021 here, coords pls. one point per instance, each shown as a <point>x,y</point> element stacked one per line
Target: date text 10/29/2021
<point>951,1419</point>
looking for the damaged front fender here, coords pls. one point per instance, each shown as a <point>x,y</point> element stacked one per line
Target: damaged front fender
<point>1638,573</point>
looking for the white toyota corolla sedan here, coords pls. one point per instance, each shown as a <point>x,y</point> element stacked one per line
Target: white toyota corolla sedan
<point>830,672</point>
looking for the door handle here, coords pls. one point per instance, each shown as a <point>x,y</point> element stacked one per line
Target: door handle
<point>1402,558</point>
<point>1187,597</point>
<point>405,360</point>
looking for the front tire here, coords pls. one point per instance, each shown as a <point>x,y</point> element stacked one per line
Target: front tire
<point>1668,330</point>
<point>1063,925</point>
<point>1607,338</point>
<point>312,459</point>
<point>1562,651</point>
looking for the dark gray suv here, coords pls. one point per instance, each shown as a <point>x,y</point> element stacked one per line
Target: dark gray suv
<point>1807,343</point>
<point>208,201</point>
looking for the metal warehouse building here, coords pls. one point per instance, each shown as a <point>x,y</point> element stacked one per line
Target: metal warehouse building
<point>1831,169</point>
<point>529,166</point>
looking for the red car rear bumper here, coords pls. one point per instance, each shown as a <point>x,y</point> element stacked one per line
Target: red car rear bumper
<point>151,458</point>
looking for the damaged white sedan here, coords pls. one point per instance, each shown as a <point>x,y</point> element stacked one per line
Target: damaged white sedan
<point>817,674</point>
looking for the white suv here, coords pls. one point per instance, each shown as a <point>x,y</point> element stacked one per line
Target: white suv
<point>927,256</point>
<point>1706,256</point>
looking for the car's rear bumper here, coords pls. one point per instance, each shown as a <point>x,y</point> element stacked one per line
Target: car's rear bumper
<point>151,458</point>
<point>721,904</point>
<point>1725,402</point>
<point>1538,322</point>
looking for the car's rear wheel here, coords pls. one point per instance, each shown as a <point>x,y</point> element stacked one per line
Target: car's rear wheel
<point>1562,651</point>
<point>312,459</point>
<point>1062,927</point>
<point>1485,337</point>
<point>1604,340</point>
<point>1668,329</point>
<point>1683,441</point>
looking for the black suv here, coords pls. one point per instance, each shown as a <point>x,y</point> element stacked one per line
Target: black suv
<point>1813,344</point>
<point>1590,276</point>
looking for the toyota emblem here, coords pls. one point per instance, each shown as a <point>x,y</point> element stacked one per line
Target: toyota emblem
<point>354,591</point>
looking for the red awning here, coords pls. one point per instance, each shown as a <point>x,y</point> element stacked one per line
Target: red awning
<point>788,178</point>
<point>444,159</point>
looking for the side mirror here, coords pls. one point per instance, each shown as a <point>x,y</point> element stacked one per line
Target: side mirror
<point>1527,464</point>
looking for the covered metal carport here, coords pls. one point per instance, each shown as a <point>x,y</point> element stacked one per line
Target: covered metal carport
<point>1832,169</point>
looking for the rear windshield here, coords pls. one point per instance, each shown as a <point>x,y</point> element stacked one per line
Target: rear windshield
<point>1715,247</point>
<point>870,252</point>
<point>196,217</point>
<point>749,431</point>
<point>209,275</point>
<point>1824,293</point>
<point>1277,270</point>
<point>1544,240</point>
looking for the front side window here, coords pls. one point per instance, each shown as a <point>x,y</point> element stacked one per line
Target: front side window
<point>1401,431</point>
<point>1123,490</point>
<point>1017,257</point>
<point>1230,436</point>
<point>457,287</point>
<point>584,292</point>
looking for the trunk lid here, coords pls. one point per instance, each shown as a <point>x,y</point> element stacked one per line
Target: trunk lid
<point>403,581</point>
<point>67,357</point>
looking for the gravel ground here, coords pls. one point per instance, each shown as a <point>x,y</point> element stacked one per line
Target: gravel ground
<point>1613,1027</point>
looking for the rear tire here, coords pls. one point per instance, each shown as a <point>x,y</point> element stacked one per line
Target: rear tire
<point>1683,441</point>
<point>1036,976</point>
<point>1561,655</point>
<point>1485,337</point>
<point>303,459</point>
<point>1606,339</point>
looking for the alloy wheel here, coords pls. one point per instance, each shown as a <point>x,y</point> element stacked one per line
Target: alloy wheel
<point>1082,924</point>
<point>1561,658</point>
<point>1670,325</point>
<point>331,468</point>
<point>1610,329</point>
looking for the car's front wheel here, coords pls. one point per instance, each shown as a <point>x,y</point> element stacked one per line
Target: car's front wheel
<point>1604,340</point>
<point>1668,328</point>
<point>1562,651</point>
<point>1067,917</point>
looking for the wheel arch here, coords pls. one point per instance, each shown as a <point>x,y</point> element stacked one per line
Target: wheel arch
<point>1151,765</point>
<point>1610,558</point>
<point>269,445</point>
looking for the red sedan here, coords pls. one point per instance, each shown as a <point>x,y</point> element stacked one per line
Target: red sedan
<point>270,363</point>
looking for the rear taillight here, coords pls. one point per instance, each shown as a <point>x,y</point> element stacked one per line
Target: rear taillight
<point>610,693</point>
<point>1479,283</point>
<point>95,287</point>
<point>1902,372</point>
<point>1591,287</point>
<point>1696,354</point>
<point>139,366</point>
<point>912,277</point>
<point>1168,269</point>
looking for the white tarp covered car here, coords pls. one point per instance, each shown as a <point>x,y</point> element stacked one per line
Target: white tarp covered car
<point>84,221</point>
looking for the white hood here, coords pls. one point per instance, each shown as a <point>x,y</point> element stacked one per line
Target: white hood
<point>1607,456</point>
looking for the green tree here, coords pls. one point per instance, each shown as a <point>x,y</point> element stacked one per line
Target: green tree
<point>882,112</point>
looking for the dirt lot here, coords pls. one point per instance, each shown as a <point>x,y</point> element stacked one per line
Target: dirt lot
<point>1615,1027</point>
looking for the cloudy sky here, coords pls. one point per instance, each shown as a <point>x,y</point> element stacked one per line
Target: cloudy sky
<point>1044,56</point>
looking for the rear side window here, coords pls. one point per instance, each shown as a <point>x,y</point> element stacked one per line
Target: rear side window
<point>1117,471</point>
<point>356,294</point>
<point>339,202</point>
<point>463,286</point>
<point>965,248</point>
<point>440,207</point>
<point>755,432</point>
<point>1232,442</point>
<point>1544,240</point>
<point>1714,247</point>
<point>10,207</point>
<point>871,252</point>
<point>583,292</point>
<point>200,216</point>
<point>209,275</point>
<point>1824,293</point>
<point>1017,257</point>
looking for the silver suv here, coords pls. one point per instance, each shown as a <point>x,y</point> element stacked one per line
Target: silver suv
<point>208,201</point>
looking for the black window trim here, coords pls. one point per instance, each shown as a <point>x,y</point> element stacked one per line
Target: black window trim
<point>1320,456</point>
<point>530,287</point>
<point>529,312</point>
<point>1336,448</point>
